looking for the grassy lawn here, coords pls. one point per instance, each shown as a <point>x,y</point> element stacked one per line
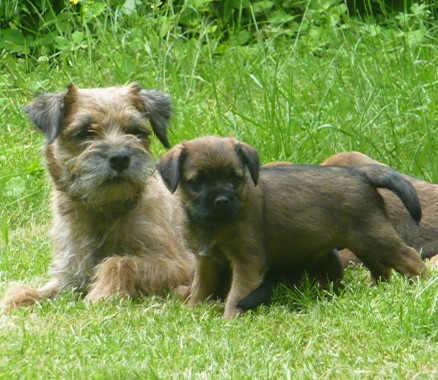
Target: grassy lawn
<point>362,87</point>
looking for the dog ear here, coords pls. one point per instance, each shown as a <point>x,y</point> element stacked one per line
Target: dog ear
<point>158,110</point>
<point>250,158</point>
<point>169,167</point>
<point>46,112</point>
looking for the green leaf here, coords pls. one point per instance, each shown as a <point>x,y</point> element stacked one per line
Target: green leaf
<point>92,10</point>
<point>262,6</point>
<point>12,37</point>
<point>62,43</point>
<point>77,37</point>
<point>14,40</point>
<point>415,37</point>
<point>280,17</point>
<point>200,3</point>
<point>129,7</point>
<point>46,40</point>
<point>15,187</point>
<point>243,37</point>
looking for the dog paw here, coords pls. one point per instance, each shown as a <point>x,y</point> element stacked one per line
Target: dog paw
<point>18,295</point>
<point>91,299</point>
<point>232,312</point>
<point>95,297</point>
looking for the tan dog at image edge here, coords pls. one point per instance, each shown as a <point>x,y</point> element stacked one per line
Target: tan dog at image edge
<point>423,237</point>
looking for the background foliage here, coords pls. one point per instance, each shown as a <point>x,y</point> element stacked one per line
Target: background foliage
<point>41,27</point>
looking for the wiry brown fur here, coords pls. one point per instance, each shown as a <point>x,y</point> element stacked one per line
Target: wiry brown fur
<point>286,217</point>
<point>116,231</point>
<point>423,237</point>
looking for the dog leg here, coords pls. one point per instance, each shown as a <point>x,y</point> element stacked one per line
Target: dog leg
<point>379,271</point>
<point>328,269</point>
<point>349,259</point>
<point>206,280</point>
<point>115,276</point>
<point>408,262</point>
<point>247,276</point>
<point>382,249</point>
<point>261,296</point>
<point>127,276</point>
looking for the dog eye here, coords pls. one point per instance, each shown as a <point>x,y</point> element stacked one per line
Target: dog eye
<point>236,180</point>
<point>138,132</point>
<point>84,134</point>
<point>194,183</point>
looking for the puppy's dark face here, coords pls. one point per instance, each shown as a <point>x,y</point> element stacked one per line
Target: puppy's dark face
<point>214,194</point>
<point>98,139</point>
<point>211,173</point>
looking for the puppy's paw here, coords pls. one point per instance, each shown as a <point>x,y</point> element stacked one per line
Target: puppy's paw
<point>232,312</point>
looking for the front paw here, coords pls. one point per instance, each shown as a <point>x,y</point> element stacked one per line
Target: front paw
<point>98,295</point>
<point>232,311</point>
<point>94,297</point>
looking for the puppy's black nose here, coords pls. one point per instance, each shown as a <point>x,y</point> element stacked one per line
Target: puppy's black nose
<point>119,161</point>
<point>221,200</point>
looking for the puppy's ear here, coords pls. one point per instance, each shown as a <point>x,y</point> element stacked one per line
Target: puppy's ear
<point>169,167</point>
<point>158,110</point>
<point>47,112</point>
<point>250,158</point>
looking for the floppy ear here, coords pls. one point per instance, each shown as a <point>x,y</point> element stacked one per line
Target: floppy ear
<point>46,112</point>
<point>158,110</point>
<point>169,167</point>
<point>250,158</point>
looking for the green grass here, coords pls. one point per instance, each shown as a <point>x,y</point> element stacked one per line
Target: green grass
<point>361,88</point>
<point>388,331</point>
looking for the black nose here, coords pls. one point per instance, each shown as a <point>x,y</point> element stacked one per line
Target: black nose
<point>119,161</point>
<point>221,200</point>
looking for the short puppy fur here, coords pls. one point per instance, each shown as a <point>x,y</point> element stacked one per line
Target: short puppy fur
<point>283,217</point>
<point>116,228</point>
<point>423,237</point>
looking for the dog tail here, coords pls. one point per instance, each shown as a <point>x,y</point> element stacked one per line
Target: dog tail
<point>387,178</point>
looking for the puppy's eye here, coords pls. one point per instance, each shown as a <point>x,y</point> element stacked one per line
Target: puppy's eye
<point>194,183</point>
<point>138,132</point>
<point>236,180</point>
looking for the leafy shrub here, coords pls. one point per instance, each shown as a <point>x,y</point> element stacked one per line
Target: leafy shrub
<point>40,28</point>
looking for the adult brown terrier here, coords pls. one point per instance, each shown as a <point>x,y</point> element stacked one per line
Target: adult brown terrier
<point>423,237</point>
<point>281,217</point>
<point>116,227</point>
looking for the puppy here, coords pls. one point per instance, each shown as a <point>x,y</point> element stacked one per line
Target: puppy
<point>423,237</point>
<point>281,217</point>
<point>116,228</point>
